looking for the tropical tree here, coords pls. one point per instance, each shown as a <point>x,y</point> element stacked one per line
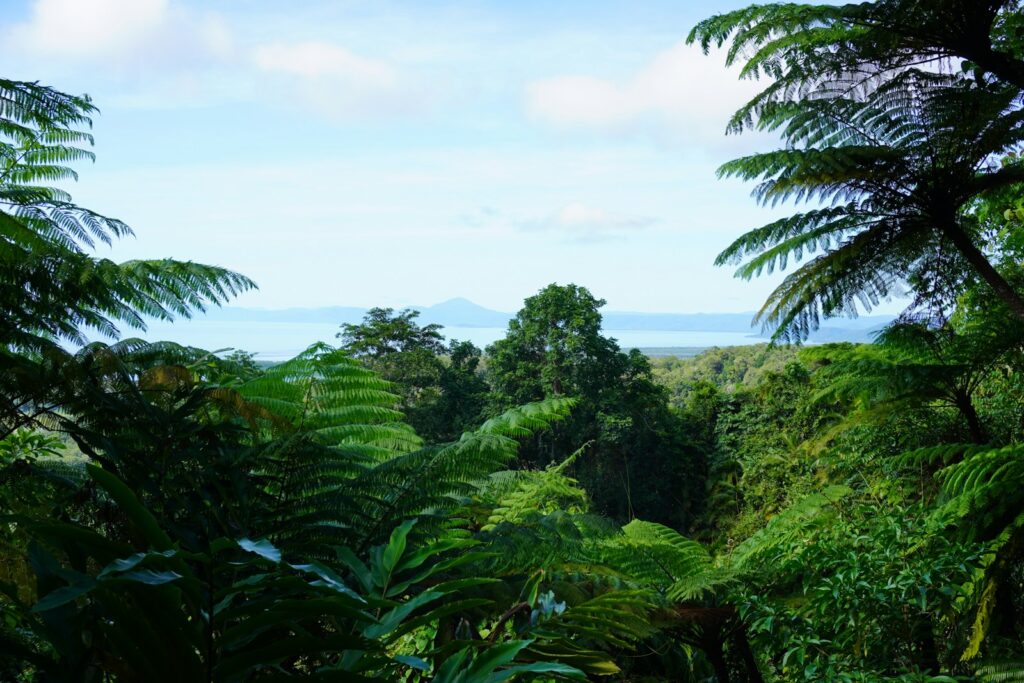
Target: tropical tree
<point>52,289</point>
<point>872,115</point>
<point>640,463</point>
<point>384,332</point>
<point>899,170</point>
<point>801,46</point>
<point>441,387</point>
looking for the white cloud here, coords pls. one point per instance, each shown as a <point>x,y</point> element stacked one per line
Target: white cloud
<point>117,32</point>
<point>335,82</point>
<point>581,219</point>
<point>680,90</point>
<point>573,222</point>
<point>317,60</point>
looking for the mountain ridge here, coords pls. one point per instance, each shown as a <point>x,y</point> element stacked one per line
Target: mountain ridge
<point>462,312</point>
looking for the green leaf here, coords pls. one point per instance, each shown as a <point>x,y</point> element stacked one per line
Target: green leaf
<point>556,668</point>
<point>414,662</point>
<point>64,595</point>
<point>395,548</point>
<point>123,565</point>
<point>263,548</point>
<point>393,618</point>
<point>144,522</point>
<point>328,579</point>
<point>147,576</point>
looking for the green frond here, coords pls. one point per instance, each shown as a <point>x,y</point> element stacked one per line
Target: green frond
<point>983,616</point>
<point>1001,672</point>
<point>326,393</point>
<point>981,494</point>
<point>525,420</point>
<point>659,558</point>
<point>533,493</point>
<point>616,618</point>
<point>942,454</point>
<point>781,536</point>
<point>798,233</point>
<point>862,271</point>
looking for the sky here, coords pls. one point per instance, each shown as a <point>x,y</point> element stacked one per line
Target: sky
<point>387,153</point>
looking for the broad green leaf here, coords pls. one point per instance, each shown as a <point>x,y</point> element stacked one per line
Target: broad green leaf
<point>139,516</point>
<point>64,595</point>
<point>263,548</point>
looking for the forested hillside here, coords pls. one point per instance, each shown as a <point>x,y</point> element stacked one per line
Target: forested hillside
<point>400,506</point>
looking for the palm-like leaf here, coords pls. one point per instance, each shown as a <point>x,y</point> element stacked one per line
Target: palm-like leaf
<point>802,48</point>
<point>324,392</point>
<point>50,287</point>
<point>899,168</point>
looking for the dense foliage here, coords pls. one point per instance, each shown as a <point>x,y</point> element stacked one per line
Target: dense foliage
<point>553,508</point>
<point>638,462</point>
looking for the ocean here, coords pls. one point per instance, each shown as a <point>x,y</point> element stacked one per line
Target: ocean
<point>276,341</point>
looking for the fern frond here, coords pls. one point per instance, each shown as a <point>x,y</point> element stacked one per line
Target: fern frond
<point>982,493</point>
<point>1010,671</point>
<point>324,392</point>
<point>782,536</point>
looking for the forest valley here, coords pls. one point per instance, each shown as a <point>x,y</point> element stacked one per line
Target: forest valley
<point>401,507</point>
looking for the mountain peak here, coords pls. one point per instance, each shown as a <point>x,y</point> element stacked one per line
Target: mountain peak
<point>456,303</point>
<point>461,312</point>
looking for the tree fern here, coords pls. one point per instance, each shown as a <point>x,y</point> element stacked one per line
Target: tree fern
<point>781,538</point>
<point>50,286</point>
<point>896,203</point>
<point>1001,672</point>
<point>800,48</point>
<point>324,392</point>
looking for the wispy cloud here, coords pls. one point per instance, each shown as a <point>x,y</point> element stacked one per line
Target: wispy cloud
<point>573,222</point>
<point>323,60</point>
<point>120,33</point>
<point>336,82</point>
<point>680,92</point>
<point>165,53</point>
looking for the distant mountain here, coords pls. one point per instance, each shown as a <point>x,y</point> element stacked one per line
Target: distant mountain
<point>461,312</point>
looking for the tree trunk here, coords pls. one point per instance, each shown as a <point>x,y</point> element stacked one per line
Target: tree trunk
<point>747,654</point>
<point>967,409</point>
<point>928,652</point>
<point>713,650</point>
<point>985,269</point>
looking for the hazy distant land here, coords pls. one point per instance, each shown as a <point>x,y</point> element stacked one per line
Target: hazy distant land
<point>276,334</point>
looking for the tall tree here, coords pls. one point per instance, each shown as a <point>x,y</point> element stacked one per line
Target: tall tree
<point>554,347</point>
<point>888,144</point>
<point>638,462</point>
<point>799,47</point>
<point>441,388</point>
<point>52,289</point>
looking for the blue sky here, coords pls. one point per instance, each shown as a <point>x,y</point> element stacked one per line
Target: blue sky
<point>388,153</point>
